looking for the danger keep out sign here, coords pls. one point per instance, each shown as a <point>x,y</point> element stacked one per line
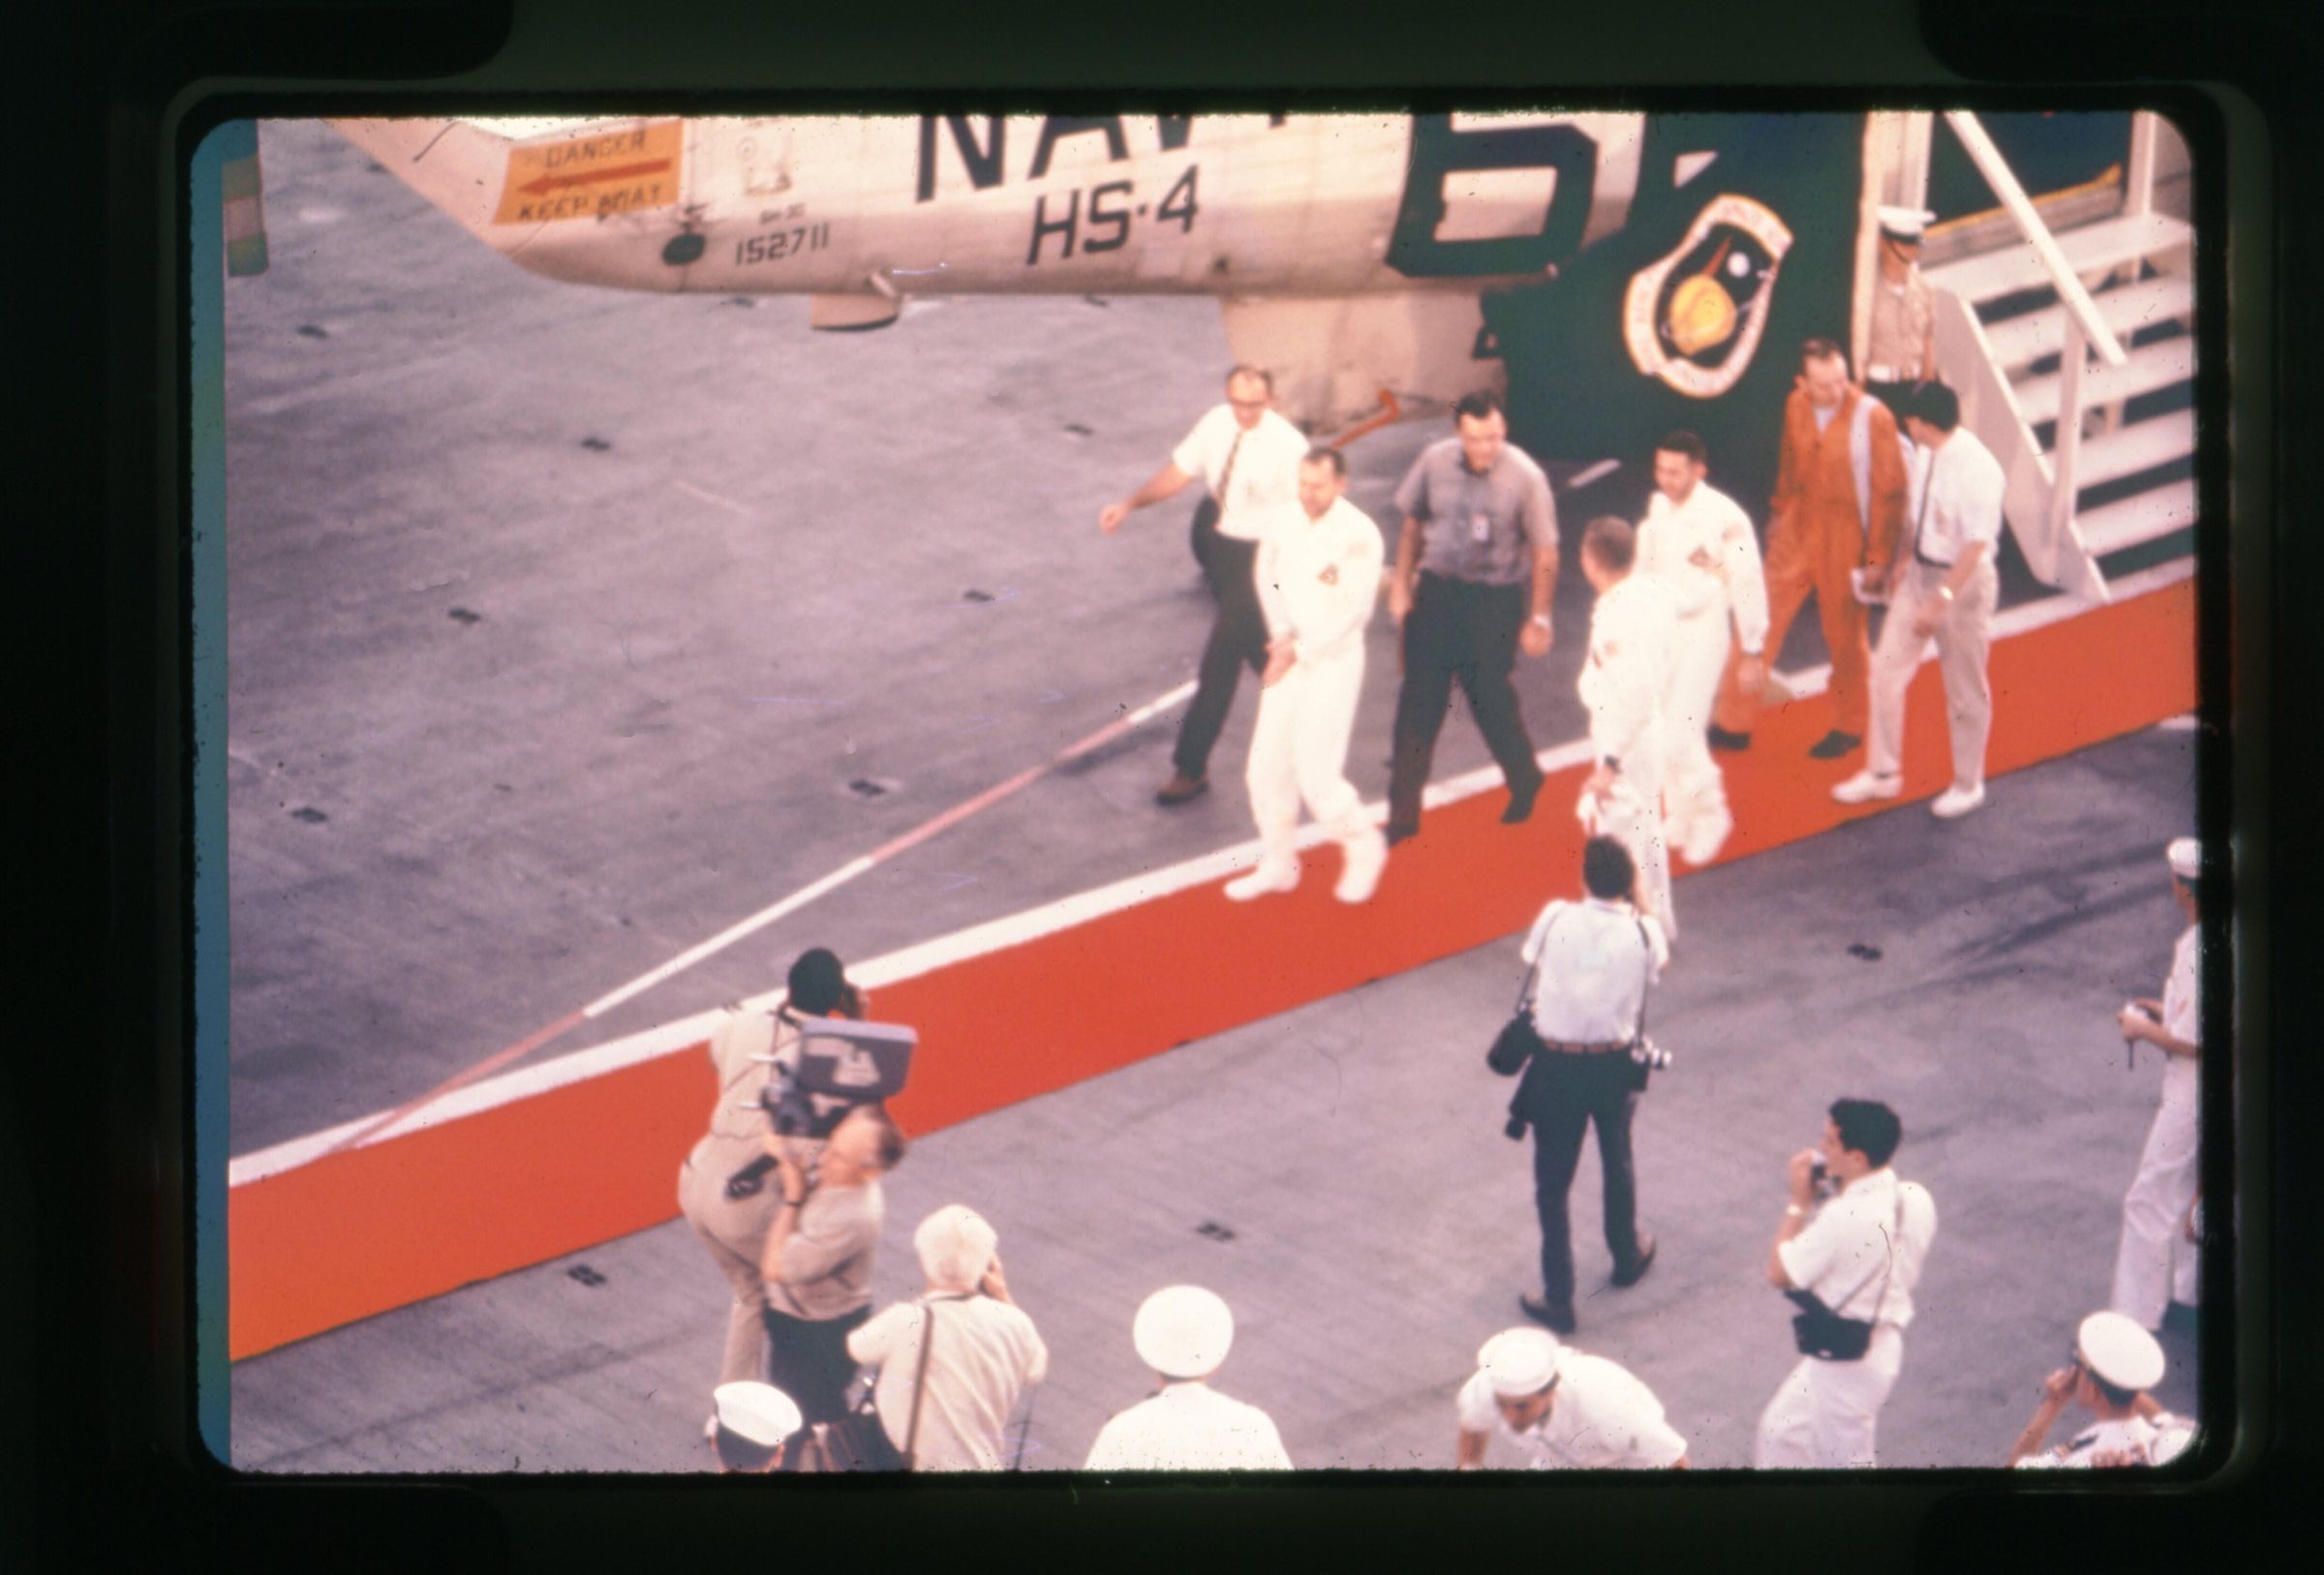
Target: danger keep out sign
<point>593,176</point>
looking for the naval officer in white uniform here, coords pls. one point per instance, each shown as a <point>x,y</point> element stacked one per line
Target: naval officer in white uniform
<point>1183,1332</point>
<point>1632,630</point>
<point>1318,574</point>
<point>2115,1363</point>
<point>1562,1409</point>
<point>1699,543</point>
<point>2156,1264</point>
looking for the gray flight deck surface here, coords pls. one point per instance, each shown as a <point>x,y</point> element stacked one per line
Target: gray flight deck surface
<point>559,623</point>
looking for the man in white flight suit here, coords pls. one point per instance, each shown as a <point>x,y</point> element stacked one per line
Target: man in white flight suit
<point>2156,1264</point>
<point>2115,1362</point>
<point>1632,630</point>
<point>1183,1332</point>
<point>1318,574</point>
<point>1699,543</point>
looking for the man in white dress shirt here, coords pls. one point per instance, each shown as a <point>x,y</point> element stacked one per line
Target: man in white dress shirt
<point>1860,1254</point>
<point>1699,543</point>
<point>1318,575</point>
<point>2156,1264</point>
<point>1623,684</point>
<point>1249,458</point>
<point>1942,585</point>
<point>1183,1332</point>
<point>1562,1407</point>
<point>2115,1362</point>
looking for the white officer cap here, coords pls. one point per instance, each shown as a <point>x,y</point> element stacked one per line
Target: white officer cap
<point>757,1412</point>
<point>1904,224</point>
<point>956,1247</point>
<point>2186,856</point>
<point>1520,1362</point>
<point>2115,1348</point>
<point>1183,1332</point>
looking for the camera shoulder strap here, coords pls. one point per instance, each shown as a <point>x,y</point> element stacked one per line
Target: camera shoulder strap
<point>927,1341</point>
<point>1645,980</point>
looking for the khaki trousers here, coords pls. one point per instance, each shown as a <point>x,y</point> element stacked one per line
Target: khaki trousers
<point>734,1232</point>
<point>1963,639</point>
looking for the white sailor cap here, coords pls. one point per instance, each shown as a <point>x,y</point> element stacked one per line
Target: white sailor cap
<point>1520,1362</point>
<point>1904,224</point>
<point>1183,1332</point>
<point>757,1412</point>
<point>2116,1349</point>
<point>2186,856</point>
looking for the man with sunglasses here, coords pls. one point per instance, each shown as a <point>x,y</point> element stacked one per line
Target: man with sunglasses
<point>2112,1364</point>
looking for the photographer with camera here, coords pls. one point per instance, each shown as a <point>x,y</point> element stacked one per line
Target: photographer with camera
<point>1585,1061</point>
<point>953,1360</point>
<point>1848,1253</point>
<point>2112,1364</point>
<point>723,1187</point>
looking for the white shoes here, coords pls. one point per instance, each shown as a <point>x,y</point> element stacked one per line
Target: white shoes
<point>1360,876</point>
<point>1868,785</point>
<point>1267,879</point>
<point>1954,801</point>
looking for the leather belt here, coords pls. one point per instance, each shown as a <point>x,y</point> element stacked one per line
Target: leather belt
<point>1564,1048</point>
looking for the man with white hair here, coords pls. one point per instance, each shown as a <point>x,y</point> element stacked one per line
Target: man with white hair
<point>750,1424</point>
<point>2115,1363</point>
<point>950,1413</point>
<point>2156,1263</point>
<point>1183,1332</point>
<point>1564,1408</point>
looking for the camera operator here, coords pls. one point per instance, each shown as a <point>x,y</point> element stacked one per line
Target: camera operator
<point>817,1261</point>
<point>953,1418</point>
<point>1856,1258</point>
<point>2112,1364</point>
<point>724,1188</point>
<point>1596,960</point>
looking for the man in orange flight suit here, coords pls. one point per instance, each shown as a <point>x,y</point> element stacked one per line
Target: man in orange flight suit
<point>1838,507</point>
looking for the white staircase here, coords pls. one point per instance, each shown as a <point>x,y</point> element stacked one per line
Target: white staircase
<point>2008,342</point>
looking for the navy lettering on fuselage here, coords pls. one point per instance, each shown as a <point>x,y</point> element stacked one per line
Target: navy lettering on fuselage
<point>980,157</point>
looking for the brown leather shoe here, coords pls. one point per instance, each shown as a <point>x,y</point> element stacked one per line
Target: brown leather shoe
<point>1179,788</point>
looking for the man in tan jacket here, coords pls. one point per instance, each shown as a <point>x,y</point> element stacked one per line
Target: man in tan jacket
<point>1837,505</point>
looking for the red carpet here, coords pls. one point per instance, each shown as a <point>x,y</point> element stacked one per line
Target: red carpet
<point>409,1218</point>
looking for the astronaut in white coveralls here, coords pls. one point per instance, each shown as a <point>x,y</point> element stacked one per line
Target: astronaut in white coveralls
<point>1699,543</point>
<point>1623,683</point>
<point>1318,574</point>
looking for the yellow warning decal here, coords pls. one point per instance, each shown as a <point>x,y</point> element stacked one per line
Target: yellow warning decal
<point>593,176</point>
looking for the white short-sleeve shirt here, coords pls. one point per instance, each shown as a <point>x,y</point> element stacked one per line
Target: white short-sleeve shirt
<point>1865,1248</point>
<point>2149,1443</point>
<point>1598,958</point>
<point>1602,1419</point>
<point>986,1352</point>
<point>2182,998</point>
<point>1189,1426</point>
<point>1952,499</point>
<point>1266,479</point>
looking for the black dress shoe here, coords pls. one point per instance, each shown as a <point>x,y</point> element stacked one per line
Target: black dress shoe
<point>1556,1319</point>
<point>1182,787</point>
<point>1521,805</point>
<point>1721,738</point>
<point>1625,1277</point>
<point>1835,744</point>
<point>1401,833</point>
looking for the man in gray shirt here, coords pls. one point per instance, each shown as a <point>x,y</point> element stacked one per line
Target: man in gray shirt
<point>1475,567</point>
<point>818,1262</point>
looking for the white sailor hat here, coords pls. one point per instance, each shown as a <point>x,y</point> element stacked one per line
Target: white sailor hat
<point>2186,856</point>
<point>2116,1349</point>
<point>757,1412</point>
<point>1520,1362</point>
<point>1183,1332</point>
<point>1904,224</point>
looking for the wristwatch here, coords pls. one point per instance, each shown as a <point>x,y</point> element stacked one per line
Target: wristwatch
<point>1611,763</point>
<point>1541,619</point>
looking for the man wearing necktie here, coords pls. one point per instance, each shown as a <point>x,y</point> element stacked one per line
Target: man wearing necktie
<point>1249,456</point>
<point>1944,589</point>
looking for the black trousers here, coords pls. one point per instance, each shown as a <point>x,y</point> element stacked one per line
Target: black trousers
<point>1238,638</point>
<point>808,1360</point>
<point>1562,1094</point>
<point>1459,631</point>
<point>1890,394</point>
